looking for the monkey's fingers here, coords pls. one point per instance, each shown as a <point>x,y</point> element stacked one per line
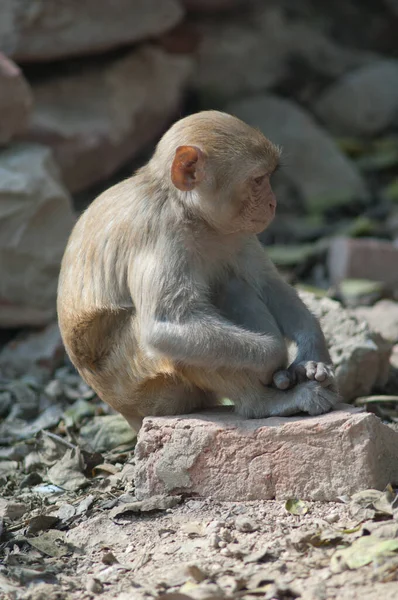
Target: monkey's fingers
<point>283,380</point>
<point>311,368</point>
<point>325,375</point>
<point>300,372</point>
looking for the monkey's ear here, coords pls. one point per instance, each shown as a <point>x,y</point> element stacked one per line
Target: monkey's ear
<point>188,169</point>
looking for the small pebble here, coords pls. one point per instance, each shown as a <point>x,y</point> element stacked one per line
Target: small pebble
<point>225,534</point>
<point>93,586</point>
<point>108,558</point>
<point>196,573</point>
<point>332,518</point>
<point>30,480</point>
<point>214,541</point>
<point>66,511</point>
<point>245,525</point>
<point>215,526</point>
<point>53,388</point>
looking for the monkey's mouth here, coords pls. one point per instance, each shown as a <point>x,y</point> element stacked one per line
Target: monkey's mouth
<point>266,218</point>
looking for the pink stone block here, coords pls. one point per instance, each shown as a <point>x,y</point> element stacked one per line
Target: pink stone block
<point>363,258</point>
<point>218,454</point>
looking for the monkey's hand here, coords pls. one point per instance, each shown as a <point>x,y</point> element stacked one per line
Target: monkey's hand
<point>303,371</point>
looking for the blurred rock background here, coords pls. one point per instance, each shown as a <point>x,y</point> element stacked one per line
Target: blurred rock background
<point>86,90</point>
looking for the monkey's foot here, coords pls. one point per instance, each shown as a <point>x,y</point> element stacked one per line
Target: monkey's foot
<point>314,399</point>
<point>302,371</point>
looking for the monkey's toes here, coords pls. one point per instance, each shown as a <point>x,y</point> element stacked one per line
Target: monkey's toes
<point>319,400</point>
<point>282,380</point>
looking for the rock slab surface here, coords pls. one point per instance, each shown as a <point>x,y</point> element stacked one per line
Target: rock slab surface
<point>36,217</point>
<point>15,100</point>
<point>34,31</point>
<point>96,119</point>
<point>216,454</point>
<point>360,355</point>
<point>316,169</point>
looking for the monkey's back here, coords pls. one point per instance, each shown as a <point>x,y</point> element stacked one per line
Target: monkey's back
<point>94,302</point>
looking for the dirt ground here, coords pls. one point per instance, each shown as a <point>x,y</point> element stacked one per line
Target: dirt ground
<point>101,541</point>
<point>71,527</point>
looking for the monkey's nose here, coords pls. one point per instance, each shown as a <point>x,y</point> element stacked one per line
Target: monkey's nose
<point>272,200</point>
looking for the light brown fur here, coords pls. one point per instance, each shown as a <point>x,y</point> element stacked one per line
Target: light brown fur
<point>167,301</point>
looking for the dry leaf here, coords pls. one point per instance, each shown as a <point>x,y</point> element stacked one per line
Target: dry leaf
<point>362,552</point>
<point>294,506</point>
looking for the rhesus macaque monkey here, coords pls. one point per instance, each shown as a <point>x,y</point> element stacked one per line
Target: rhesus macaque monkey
<point>167,301</point>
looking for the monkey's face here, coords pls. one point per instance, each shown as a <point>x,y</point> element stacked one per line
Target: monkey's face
<point>246,206</point>
<point>225,178</point>
<point>257,204</point>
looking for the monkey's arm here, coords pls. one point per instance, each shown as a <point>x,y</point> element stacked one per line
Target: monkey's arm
<point>179,321</point>
<point>205,339</point>
<point>299,325</point>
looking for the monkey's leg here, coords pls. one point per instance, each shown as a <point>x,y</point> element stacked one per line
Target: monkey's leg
<point>240,303</point>
<point>254,400</point>
<point>172,395</point>
<point>309,397</point>
<point>167,393</point>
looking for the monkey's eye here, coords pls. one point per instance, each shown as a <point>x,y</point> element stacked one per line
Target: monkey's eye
<point>259,180</point>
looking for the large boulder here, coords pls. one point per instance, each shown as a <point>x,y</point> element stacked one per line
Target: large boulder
<point>263,48</point>
<point>393,4</point>
<point>315,167</point>
<point>15,100</point>
<point>363,102</point>
<point>211,5</point>
<point>382,317</point>
<point>360,354</point>
<point>96,118</point>
<point>36,353</point>
<point>42,31</point>
<point>36,218</point>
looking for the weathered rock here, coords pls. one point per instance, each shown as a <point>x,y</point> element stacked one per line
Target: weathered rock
<point>36,217</point>
<point>393,4</point>
<point>106,433</point>
<point>363,102</point>
<point>38,352</point>
<point>97,118</point>
<point>45,31</point>
<point>211,5</point>
<point>363,258</point>
<point>15,100</point>
<point>360,355</point>
<point>319,172</point>
<point>182,39</point>
<point>359,292</point>
<point>382,317</point>
<point>260,49</point>
<point>218,454</point>
<point>12,510</point>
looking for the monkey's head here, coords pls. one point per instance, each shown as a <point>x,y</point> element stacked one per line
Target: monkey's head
<point>221,168</point>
